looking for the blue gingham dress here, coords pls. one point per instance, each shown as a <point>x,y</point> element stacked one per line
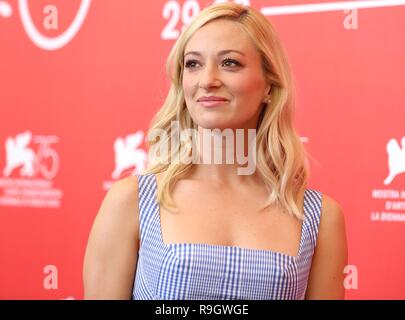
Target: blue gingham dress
<point>215,272</point>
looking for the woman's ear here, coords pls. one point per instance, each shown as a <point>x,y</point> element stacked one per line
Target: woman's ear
<point>268,89</point>
<point>267,93</point>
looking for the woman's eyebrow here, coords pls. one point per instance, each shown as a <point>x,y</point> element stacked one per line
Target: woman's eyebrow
<point>220,53</point>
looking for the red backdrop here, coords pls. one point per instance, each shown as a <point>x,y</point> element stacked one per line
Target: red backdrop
<point>80,81</point>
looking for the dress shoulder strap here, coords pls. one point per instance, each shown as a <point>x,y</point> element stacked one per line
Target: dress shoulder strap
<point>312,208</point>
<point>147,204</point>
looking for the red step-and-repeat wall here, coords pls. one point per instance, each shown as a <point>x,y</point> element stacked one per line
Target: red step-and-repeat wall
<point>80,81</point>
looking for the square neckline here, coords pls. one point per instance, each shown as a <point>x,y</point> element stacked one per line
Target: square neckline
<point>228,247</point>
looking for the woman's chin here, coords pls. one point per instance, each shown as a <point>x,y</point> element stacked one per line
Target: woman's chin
<point>215,125</point>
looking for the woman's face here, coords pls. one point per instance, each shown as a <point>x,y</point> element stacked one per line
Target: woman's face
<point>220,60</point>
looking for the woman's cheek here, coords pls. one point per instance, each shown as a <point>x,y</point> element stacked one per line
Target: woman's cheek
<point>188,87</point>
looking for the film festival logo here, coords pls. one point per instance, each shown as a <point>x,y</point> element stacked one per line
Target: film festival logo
<point>173,11</point>
<point>396,159</point>
<point>50,22</point>
<point>129,157</point>
<point>180,13</point>
<point>394,206</point>
<point>28,174</point>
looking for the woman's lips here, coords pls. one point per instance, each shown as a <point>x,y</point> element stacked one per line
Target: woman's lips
<point>212,103</point>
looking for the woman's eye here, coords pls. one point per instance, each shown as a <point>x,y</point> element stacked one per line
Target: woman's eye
<point>190,63</point>
<point>230,62</point>
<point>226,62</point>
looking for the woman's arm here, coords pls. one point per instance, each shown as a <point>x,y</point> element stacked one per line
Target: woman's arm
<point>330,258</point>
<point>112,250</point>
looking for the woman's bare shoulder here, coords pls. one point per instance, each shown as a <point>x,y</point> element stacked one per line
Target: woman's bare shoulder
<point>331,211</point>
<point>124,192</point>
<point>121,202</point>
<point>118,214</point>
<point>331,252</point>
<point>111,254</point>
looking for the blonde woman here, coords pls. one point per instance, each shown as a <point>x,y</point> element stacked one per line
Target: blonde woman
<point>191,228</point>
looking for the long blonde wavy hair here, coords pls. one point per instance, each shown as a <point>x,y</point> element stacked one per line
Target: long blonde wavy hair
<point>281,157</point>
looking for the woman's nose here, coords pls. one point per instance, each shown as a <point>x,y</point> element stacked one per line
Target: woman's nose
<point>210,77</point>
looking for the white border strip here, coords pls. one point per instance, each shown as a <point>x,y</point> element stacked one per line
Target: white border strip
<point>331,6</point>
